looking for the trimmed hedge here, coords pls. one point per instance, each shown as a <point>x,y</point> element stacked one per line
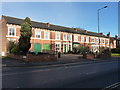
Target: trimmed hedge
<point>115,50</point>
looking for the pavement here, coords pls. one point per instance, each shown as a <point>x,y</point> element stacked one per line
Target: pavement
<point>65,59</point>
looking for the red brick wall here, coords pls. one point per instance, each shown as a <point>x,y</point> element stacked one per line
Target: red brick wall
<point>41,41</point>
<point>34,58</point>
<point>3,32</point>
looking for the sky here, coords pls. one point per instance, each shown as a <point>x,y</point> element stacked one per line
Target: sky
<point>69,14</point>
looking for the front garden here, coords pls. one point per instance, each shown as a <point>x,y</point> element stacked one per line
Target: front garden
<point>88,54</point>
<point>20,50</point>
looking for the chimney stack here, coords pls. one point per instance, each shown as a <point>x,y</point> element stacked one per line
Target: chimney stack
<point>48,24</point>
<point>116,37</point>
<point>85,31</point>
<point>108,35</point>
<point>75,29</point>
<point>101,33</point>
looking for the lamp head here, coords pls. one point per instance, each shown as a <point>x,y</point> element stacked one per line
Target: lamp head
<point>105,6</point>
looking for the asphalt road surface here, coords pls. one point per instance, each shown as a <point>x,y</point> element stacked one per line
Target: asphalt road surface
<point>95,75</point>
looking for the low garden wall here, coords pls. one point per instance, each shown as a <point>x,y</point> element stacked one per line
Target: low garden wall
<point>104,55</point>
<point>35,58</point>
<point>89,56</point>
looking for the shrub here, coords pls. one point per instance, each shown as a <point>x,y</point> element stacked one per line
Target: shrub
<point>16,50</point>
<point>25,36</point>
<point>11,45</point>
<point>70,52</point>
<point>13,48</point>
<point>106,50</point>
<point>115,50</point>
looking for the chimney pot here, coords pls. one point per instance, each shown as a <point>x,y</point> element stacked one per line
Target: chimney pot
<point>116,36</point>
<point>108,35</point>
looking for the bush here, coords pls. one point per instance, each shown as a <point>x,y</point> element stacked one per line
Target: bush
<point>13,48</point>
<point>11,45</point>
<point>16,50</point>
<point>115,50</point>
<point>70,52</point>
<point>107,50</point>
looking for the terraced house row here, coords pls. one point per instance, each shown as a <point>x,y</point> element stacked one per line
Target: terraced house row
<point>47,36</point>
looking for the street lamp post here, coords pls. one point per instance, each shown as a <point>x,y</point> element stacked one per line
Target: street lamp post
<point>99,25</point>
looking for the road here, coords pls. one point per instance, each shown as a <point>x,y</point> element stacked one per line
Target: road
<point>95,75</point>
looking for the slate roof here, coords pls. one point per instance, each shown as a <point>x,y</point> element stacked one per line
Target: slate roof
<point>17,21</point>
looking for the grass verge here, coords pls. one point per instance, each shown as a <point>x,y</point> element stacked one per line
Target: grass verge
<point>115,54</point>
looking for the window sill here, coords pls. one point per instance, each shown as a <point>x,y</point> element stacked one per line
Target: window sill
<point>10,36</point>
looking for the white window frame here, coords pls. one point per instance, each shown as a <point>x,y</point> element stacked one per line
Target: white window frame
<point>92,39</point>
<point>45,35</point>
<point>57,35</point>
<point>69,44</point>
<point>103,40</point>
<point>37,34</point>
<point>69,37</point>
<point>107,41</point>
<point>9,32</point>
<point>76,38</point>
<point>65,39</point>
<point>97,40</point>
<point>82,39</point>
<point>87,39</point>
<point>59,45</point>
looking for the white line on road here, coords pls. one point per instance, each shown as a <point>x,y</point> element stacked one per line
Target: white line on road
<point>90,73</point>
<point>112,86</point>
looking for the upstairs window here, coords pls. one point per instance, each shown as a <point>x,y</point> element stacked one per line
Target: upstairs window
<point>58,36</point>
<point>64,36</point>
<point>87,39</point>
<point>97,40</point>
<point>70,37</point>
<point>11,31</point>
<point>46,35</point>
<point>103,41</point>
<point>75,38</point>
<point>82,39</point>
<point>37,33</point>
<point>107,42</point>
<point>93,39</point>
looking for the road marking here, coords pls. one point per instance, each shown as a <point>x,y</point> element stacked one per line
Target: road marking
<point>112,86</point>
<point>90,73</point>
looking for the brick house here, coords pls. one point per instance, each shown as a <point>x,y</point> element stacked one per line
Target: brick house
<point>47,36</point>
<point>118,43</point>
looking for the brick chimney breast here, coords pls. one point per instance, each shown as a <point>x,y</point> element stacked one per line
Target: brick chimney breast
<point>75,29</point>
<point>48,24</point>
<point>85,31</point>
